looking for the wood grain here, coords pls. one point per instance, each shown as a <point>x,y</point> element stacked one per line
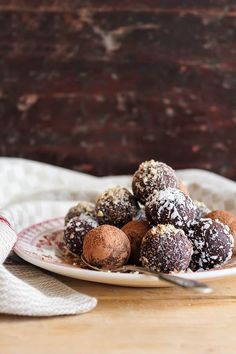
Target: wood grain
<point>129,320</point>
<point>99,86</point>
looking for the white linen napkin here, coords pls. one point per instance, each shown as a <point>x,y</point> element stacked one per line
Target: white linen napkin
<point>26,290</point>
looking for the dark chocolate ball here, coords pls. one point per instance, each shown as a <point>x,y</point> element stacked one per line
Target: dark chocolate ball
<point>135,230</point>
<point>116,206</point>
<point>166,249</point>
<point>212,244</point>
<point>75,231</point>
<point>226,218</point>
<point>170,206</point>
<point>82,207</point>
<point>151,176</point>
<point>201,210</point>
<point>106,247</point>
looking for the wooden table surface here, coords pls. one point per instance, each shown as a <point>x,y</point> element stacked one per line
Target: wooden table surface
<point>131,320</point>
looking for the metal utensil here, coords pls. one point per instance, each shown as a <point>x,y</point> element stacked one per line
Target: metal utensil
<point>174,279</point>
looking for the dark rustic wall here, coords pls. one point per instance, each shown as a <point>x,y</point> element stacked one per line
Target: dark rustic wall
<point>99,86</point>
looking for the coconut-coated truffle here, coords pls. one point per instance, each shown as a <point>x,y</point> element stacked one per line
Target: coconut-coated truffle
<point>106,247</point>
<point>226,218</point>
<point>81,207</point>
<point>212,244</point>
<point>166,249</point>
<point>170,206</point>
<point>116,206</point>
<point>135,230</point>
<point>75,231</point>
<point>201,210</point>
<point>151,176</point>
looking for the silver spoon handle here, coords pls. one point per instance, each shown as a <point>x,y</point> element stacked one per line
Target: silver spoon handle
<point>186,283</point>
<point>174,279</point>
<point>177,280</point>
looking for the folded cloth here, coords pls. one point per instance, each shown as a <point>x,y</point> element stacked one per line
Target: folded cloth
<point>25,290</point>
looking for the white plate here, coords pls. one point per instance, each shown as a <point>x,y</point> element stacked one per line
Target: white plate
<point>42,245</point>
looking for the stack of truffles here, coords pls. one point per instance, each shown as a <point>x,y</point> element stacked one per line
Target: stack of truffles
<point>158,226</point>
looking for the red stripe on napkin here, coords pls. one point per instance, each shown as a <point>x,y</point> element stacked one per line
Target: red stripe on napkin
<point>4,220</point>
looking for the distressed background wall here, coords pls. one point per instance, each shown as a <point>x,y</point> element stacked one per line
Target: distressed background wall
<point>99,86</point>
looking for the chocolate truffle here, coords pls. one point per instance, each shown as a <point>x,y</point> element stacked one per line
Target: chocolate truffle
<point>212,244</point>
<point>166,249</point>
<point>135,230</point>
<point>170,206</point>
<point>151,176</point>
<point>106,247</point>
<point>75,231</point>
<point>201,210</point>
<point>116,206</point>
<point>226,218</point>
<point>82,207</point>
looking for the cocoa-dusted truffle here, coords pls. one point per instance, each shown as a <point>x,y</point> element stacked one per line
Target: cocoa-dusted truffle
<point>151,176</point>
<point>135,230</point>
<point>170,206</point>
<point>82,207</point>
<point>116,206</point>
<point>106,247</point>
<point>75,231</point>
<point>166,249</point>
<point>212,244</point>
<point>226,218</point>
<point>201,210</point>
